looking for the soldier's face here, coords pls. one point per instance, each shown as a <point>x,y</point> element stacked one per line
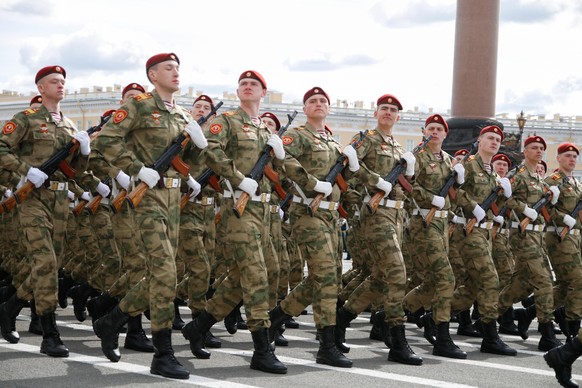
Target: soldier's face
<point>52,87</point>
<point>166,75</point>
<point>387,115</point>
<point>567,160</point>
<point>534,152</point>
<point>130,94</point>
<point>316,106</point>
<point>250,90</point>
<point>501,167</point>
<point>438,132</point>
<point>270,123</point>
<point>201,109</point>
<point>490,142</point>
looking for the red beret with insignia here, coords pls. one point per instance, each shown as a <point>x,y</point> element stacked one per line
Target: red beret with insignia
<point>503,157</point>
<point>272,117</point>
<point>132,86</point>
<point>389,99</point>
<point>254,75</point>
<point>565,147</point>
<point>159,58</point>
<point>313,91</point>
<point>492,129</point>
<point>544,164</point>
<point>49,70</point>
<point>535,139</point>
<point>436,118</point>
<point>36,100</point>
<point>204,97</point>
<point>461,152</point>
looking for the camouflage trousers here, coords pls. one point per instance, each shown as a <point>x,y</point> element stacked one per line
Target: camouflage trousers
<point>296,261</point>
<point>272,258</point>
<point>481,283</point>
<point>455,257</point>
<point>157,221</point>
<point>317,238</point>
<point>531,274</point>
<point>14,255</point>
<point>83,255</point>
<point>502,257</point>
<point>43,219</point>
<point>387,279</point>
<point>109,268</point>
<point>430,258</point>
<point>283,253</point>
<point>567,265</point>
<point>361,260</point>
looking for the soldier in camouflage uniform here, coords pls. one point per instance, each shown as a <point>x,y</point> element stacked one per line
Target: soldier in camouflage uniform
<point>311,153</point>
<point>28,140</point>
<point>565,255</point>
<point>235,141</point>
<point>382,234</point>
<point>481,283</point>
<point>432,171</point>
<point>136,137</point>
<point>531,273</point>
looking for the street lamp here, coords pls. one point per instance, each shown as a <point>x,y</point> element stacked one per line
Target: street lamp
<point>521,124</point>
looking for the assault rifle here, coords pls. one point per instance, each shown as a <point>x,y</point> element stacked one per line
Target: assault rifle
<point>496,225</point>
<point>540,207</point>
<point>94,203</point>
<point>396,174</point>
<point>206,177</point>
<point>259,168</point>
<point>170,157</point>
<point>334,174</point>
<point>577,215</point>
<point>448,188</point>
<point>56,161</point>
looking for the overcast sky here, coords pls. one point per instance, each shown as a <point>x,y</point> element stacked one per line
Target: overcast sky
<point>355,50</point>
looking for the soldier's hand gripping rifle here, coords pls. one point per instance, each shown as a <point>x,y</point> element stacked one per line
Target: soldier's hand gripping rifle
<point>56,161</point>
<point>497,225</point>
<point>206,177</point>
<point>396,174</point>
<point>334,175</point>
<point>448,188</point>
<point>575,214</point>
<point>539,207</point>
<point>259,168</point>
<point>94,203</point>
<point>170,157</point>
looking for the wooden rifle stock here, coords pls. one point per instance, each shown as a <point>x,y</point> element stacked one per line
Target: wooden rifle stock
<point>77,210</point>
<point>575,214</point>
<point>117,203</point>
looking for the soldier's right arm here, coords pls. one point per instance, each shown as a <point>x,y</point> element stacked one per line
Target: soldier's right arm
<point>13,133</point>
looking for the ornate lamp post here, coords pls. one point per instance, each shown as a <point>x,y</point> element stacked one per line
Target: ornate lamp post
<point>521,124</point>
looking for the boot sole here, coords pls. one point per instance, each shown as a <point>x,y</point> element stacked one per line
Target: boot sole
<point>275,371</point>
<point>180,377</point>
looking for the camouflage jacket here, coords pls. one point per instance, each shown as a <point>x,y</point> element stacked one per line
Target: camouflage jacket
<point>570,193</point>
<point>430,175</point>
<point>527,188</point>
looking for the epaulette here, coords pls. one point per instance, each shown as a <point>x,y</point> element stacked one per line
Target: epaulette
<point>30,111</point>
<point>229,113</point>
<point>521,169</point>
<point>372,132</point>
<point>556,176</point>
<point>422,150</point>
<point>470,158</point>
<point>143,96</point>
<point>300,128</point>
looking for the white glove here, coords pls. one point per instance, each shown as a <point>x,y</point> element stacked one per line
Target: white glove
<point>350,152</point>
<point>505,186</point>
<point>196,134</point>
<point>479,213</point>
<point>460,173</point>
<point>103,190</point>
<point>323,187</point>
<point>86,196</point>
<point>410,162</point>
<point>455,219</point>
<point>555,194</point>
<point>281,214</point>
<point>195,186</point>
<point>71,195</point>
<point>569,220</point>
<point>277,145</point>
<point>530,213</point>
<point>438,201</point>
<point>385,186</point>
<point>21,182</point>
<point>84,142</point>
<point>8,193</point>
<point>36,176</point>
<point>249,186</point>
<point>149,176</point>
<point>123,179</point>
<point>499,219</point>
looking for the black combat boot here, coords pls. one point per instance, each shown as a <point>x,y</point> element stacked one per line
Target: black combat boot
<point>342,321</point>
<point>429,326</point>
<point>548,340</point>
<point>413,317</point>
<point>280,339</point>
<point>66,282</point>
<point>240,321</point>
<point>80,294</point>
<point>9,310</point>
<point>34,327</point>
<point>277,317</point>
<point>164,362</point>
<point>560,359</point>
<point>107,328</point>
<point>506,323</point>
<point>51,339</point>
<point>475,314</point>
<point>529,301</point>
<point>573,327</point>
<point>212,341</point>
<point>444,345</point>
<point>178,323</point>
<point>136,338</point>
<point>328,352</point>
<point>101,305</point>
<point>291,324</point>
<point>6,292</point>
<point>230,321</point>
<point>264,358</point>
<point>195,332</point>
<point>560,318</point>
<point>524,318</point>
<point>492,343</point>
<point>400,351</point>
<point>376,319</point>
<point>466,325</point>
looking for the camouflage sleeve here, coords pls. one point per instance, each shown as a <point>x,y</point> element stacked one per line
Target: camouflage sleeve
<point>519,193</point>
<point>465,192</point>
<point>294,148</point>
<point>88,181</point>
<point>12,134</point>
<point>365,175</point>
<point>558,211</point>
<point>75,188</point>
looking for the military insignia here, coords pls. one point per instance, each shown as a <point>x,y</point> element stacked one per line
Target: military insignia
<point>570,189</point>
<point>316,141</point>
<point>245,128</point>
<point>215,129</point>
<point>287,140</point>
<point>470,158</point>
<point>143,96</point>
<point>156,117</point>
<point>372,132</point>
<point>432,165</point>
<point>43,128</point>
<point>521,169</point>
<point>119,116</point>
<point>30,111</point>
<point>480,175</point>
<point>229,113</point>
<point>532,183</point>
<point>384,146</point>
<point>9,127</point>
<point>556,176</point>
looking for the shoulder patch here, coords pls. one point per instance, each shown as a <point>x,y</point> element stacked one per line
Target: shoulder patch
<point>422,150</point>
<point>470,158</point>
<point>521,169</point>
<point>119,116</point>
<point>229,113</point>
<point>287,140</point>
<point>143,96</point>
<point>556,176</point>
<point>9,127</point>
<point>30,111</point>
<point>215,129</point>
<point>300,128</point>
<point>372,132</point>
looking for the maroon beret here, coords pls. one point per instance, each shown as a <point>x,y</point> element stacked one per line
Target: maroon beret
<point>272,117</point>
<point>132,86</point>
<point>36,100</point>
<point>313,91</point>
<point>503,157</point>
<point>49,70</point>
<point>159,58</point>
<point>389,99</point>
<point>493,129</point>
<point>436,118</point>
<point>535,139</point>
<point>565,147</point>
<point>254,75</point>
<point>461,152</point>
<point>204,97</point>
